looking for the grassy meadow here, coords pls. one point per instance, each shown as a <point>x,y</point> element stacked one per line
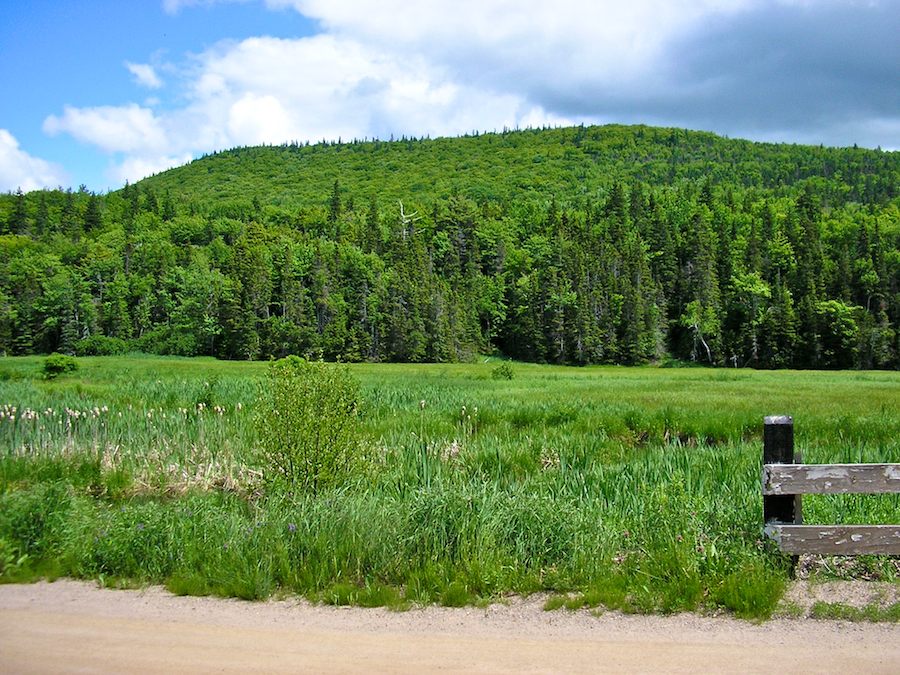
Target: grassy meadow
<point>625,488</point>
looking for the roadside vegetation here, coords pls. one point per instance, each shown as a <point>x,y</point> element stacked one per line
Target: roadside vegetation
<point>621,488</point>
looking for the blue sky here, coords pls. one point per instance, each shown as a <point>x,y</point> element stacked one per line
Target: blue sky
<point>100,92</point>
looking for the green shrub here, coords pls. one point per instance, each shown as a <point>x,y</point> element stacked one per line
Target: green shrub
<point>101,345</point>
<point>503,372</point>
<point>58,364</point>
<point>307,424</point>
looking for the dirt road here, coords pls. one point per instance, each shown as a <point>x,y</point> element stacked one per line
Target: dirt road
<point>74,627</point>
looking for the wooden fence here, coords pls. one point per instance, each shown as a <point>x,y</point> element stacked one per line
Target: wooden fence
<point>785,480</point>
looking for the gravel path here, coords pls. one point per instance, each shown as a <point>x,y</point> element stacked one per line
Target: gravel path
<point>74,627</point>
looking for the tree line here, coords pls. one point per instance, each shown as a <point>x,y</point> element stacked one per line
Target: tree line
<point>563,258</point>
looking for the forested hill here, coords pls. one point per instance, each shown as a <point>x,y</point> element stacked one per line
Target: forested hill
<point>578,245</point>
<point>570,164</point>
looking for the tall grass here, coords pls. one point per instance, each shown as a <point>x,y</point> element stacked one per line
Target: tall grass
<point>636,489</point>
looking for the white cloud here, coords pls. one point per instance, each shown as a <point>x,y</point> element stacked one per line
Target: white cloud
<point>256,119</point>
<point>127,128</point>
<point>145,75</point>
<point>491,39</point>
<point>18,169</point>
<point>135,168</point>
<point>272,90</point>
<point>174,6</point>
<point>515,46</point>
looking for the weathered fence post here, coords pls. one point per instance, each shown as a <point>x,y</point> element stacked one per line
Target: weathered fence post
<point>778,448</point>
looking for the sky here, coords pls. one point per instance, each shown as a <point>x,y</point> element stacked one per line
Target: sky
<point>100,92</point>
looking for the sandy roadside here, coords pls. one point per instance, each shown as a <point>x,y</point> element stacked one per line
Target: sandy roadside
<point>74,627</point>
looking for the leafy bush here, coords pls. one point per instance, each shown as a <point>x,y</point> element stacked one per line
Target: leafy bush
<point>503,372</point>
<point>101,345</point>
<point>58,364</point>
<point>308,424</point>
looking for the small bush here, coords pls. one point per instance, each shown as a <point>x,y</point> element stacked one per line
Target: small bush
<point>101,345</point>
<point>504,371</point>
<point>58,364</point>
<point>308,424</point>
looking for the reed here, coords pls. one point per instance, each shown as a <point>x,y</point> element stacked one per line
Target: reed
<point>630,488</point>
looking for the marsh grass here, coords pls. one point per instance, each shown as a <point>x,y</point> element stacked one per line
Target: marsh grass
<point>624,488</point>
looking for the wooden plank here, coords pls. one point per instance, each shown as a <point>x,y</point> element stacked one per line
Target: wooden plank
<point>830,479</point>
<point>836,539</point>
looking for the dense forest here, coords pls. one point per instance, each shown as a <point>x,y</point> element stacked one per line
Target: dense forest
<point>579,245</point>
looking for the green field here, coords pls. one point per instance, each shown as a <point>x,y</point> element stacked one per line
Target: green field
<point>628,488</point>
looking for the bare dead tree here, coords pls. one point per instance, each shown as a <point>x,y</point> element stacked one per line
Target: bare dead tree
<point>406,220</point>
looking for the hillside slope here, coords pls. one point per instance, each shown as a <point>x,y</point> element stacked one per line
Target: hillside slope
<point>567,163</point>
<point>576,245</point>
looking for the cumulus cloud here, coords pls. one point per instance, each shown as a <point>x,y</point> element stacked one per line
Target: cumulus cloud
<point>18,169</point>
<point>134,168</point>
<point>144,74</point>
<point>517,35</point>
<point>272,90</point>
<point>128,128</point>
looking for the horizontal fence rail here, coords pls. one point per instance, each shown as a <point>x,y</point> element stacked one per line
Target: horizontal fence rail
<point>785,480</point>
<point>830,479</point>
<point>836,539</point>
